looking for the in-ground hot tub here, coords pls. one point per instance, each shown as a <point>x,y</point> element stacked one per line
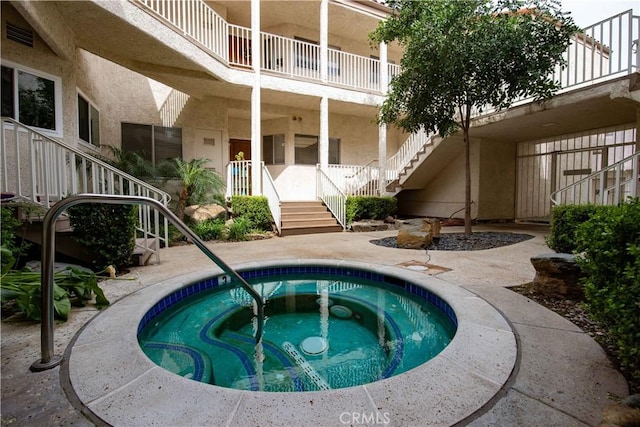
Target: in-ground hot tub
<point>117,382</point>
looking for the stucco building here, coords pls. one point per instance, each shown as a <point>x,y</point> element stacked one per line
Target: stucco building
<point>297,86</point>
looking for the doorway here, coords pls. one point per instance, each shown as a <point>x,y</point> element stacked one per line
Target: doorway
<point>238,145</point>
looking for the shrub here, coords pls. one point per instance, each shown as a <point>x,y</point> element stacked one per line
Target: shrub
<point>239,228</point>
<point>609,243</point>
<point>370,207</point>
<point>106,230</point>
<point>211,229</point>
<point>9,226</point>
<point>565,219</point>
<point>255,209</point>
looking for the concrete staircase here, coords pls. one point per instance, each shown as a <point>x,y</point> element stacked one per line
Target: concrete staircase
<point>307,218</point>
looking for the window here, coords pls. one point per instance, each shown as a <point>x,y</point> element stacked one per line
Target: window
<point>88,121</point>
<point>273,149</point>
<point>153,143</point>
<point>32,97</point>
<point>306,147</point>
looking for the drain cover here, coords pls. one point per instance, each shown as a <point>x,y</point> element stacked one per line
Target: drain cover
<point>314,345</point>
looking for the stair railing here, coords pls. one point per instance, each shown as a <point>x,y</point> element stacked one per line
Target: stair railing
<point>608,186</point>
<point>332,196</point>
<point>48,358</point>
<point>44,170</point>
<point>408,151</point>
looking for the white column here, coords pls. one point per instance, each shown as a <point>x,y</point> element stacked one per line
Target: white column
<point>256,132</point>
<point>324,39</point>
<point>324,132</point>
<point>382,129</point>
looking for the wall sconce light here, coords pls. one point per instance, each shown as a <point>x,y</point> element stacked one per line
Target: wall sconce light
<point>298,118</point>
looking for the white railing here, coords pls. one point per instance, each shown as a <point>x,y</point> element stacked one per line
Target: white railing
<point>354,71</point>
<point>354,180</point>
<point>43,171</point>
<point>602,51</point>
<point>282,55</point>
<point>399,161</point>
<point>270,192</point>
<point>238,178</point>
<point>332,196</point>
<point>608,186</point>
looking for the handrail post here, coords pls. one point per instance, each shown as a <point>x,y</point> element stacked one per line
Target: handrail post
<point>48,359</point>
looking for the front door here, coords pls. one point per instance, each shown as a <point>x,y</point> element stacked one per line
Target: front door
<point>239,145</point>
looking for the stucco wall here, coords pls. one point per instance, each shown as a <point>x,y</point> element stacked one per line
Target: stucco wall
<point>41,58</point>
<point>444,195</point>
<point>497,180</point>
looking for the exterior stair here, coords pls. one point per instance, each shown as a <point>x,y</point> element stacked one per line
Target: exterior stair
<point>307,218</point>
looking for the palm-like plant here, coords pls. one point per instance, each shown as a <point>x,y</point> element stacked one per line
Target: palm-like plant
<point>129,161</point>
<point>198,183</point>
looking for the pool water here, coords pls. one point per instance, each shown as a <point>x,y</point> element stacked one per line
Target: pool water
<point>319,334</point>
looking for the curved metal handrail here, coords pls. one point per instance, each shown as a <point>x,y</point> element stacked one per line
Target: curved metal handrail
<point>49,360</point>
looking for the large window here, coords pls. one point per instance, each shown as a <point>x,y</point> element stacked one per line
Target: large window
<point>306,147</point>
<point>273,149</point>
<point>154,143</point>
<point>88,121</point>
<point>31,97</point>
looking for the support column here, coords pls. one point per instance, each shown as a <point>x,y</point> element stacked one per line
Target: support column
<point>382,129</point>
<point>256,131</point>
<point>324,40</point>
<point>324,133</point>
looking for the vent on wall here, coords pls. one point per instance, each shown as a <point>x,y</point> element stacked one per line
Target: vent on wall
<point>19,35</point>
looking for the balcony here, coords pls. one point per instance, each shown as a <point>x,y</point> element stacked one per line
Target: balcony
<point>232,45</point>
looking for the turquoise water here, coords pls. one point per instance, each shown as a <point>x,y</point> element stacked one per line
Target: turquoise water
<point>365,331</point>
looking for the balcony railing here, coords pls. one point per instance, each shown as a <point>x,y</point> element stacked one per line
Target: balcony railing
<point>280,55</point>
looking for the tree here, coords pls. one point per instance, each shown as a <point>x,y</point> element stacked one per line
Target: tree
<point>461,55</point>
<point>198,182</point>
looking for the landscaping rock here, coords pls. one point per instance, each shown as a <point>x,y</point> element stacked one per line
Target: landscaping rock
<point>623,414</point>
<point>201,213</point>
<point>557,275</point>
<point>365,226</point>
<point>414,237</point>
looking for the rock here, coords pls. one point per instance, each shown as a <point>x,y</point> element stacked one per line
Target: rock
<point>557,275</point>
<point>390,220</point>
<point>433,225</point>
<point>365,226</point>
<point>413,237</point>
<point>201,213</point>
<point>623,414</point>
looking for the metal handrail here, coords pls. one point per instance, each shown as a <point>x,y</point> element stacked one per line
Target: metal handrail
<point>48,359</point>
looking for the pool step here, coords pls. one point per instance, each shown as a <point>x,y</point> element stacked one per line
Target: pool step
<point>308,217</point>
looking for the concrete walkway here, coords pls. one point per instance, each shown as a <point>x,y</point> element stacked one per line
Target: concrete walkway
<point>562,377</point>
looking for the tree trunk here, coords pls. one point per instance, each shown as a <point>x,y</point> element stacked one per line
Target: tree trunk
<point>467,182</point>
<point>182,203</point>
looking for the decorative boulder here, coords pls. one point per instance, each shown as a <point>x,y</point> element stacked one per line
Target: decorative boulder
<point>557,275</point>
<point>413,237</point>
<point>201,213</point>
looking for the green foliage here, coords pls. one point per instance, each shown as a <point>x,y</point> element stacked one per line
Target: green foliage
<point>239,228</point>
<point>9,227</point>
<point>211,229</point>
<point>129,161</point>
<point>460,55</point>
<point>23,288</point>
<point>565,219</point>
<point>199,184</point>
<point>609,244</point>
<point>107,230</point>
<point>370,207</point>
<point>255,209</point>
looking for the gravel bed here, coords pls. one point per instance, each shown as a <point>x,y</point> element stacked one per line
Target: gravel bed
<point>460,242</point>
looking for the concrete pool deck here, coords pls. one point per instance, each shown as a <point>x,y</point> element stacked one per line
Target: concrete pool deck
<point>561,376</point>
